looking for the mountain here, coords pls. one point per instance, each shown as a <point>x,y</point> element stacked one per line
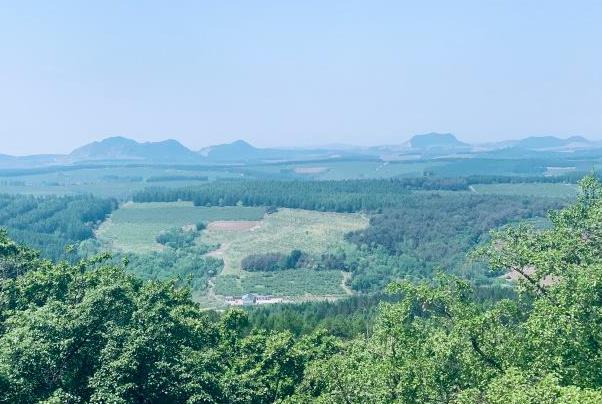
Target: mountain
<point>425,146</point>
<point>241,151</point>
<point>235,151</point>
<point>436,140</point>
<point>121,148</point>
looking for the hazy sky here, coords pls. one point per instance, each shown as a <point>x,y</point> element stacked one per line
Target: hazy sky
<point>296,72</point>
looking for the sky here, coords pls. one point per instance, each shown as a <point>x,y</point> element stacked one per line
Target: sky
<point>296,73</point>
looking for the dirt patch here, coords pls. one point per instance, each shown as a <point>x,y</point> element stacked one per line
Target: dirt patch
<point>219,253</point>
<point>310,170</point>
<point>234,225</point>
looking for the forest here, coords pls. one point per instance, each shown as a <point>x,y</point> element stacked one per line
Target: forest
<point>430,232</point>
<point>52,223</point>
<point>336,196</point>
<point>92,332</point>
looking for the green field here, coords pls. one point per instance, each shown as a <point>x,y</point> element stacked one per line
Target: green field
<point>288,229</point>
<point>135,226</point>
<point>292,282</point>
<point>536,189</point>
<point>310,231</point>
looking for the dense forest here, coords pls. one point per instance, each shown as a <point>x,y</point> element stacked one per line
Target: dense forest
<point>52,223</point>
<point>91,332</point>
<point>336,196</point>
<point>434,231</point>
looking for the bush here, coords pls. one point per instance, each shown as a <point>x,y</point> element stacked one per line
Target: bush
<point>177,238</point>
<point>264,262</point>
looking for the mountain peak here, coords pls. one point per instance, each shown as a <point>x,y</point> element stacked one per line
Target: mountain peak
<point>235,151</point>
<point>122,148</point>
<point>433,139</point>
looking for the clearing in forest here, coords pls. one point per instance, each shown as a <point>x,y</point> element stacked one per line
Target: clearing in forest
<point>135,226</point>
<point>309,231</point>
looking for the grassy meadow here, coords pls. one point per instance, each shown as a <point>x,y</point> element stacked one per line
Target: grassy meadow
<point>135,226</point>
<point>288,229</point>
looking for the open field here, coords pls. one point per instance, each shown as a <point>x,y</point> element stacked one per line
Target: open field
<point>310,231</point>
<point>135,226</point>
<point>292,282</point>
<point>288,229</point>
<point>542,189</point>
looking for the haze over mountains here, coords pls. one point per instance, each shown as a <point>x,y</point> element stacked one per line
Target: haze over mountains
<point>424,146</point>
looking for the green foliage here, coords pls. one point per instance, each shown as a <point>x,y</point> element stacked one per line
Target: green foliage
<point>91,332</point>
<point>15,259</point>
<point>289,282</point>
<point>50,224</point>
<point>345,318</point>
<point>177,238</point>
<point>433,232</point>
<point>274,261</point>
<point>437,344</point>
<point>188,266</point>
<point>334,196</point>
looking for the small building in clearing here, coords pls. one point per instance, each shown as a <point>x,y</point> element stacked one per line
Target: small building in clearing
<point>249,299</point>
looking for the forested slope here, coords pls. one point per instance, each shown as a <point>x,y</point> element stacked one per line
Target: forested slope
<point>91,332</point>
<point>51,223</point>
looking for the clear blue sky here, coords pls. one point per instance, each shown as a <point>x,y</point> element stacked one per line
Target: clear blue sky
<point>296,72</point>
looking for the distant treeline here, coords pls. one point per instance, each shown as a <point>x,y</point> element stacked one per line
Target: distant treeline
<point>166,178</point>
<point>13,183</point>
<point>51,223</point>
<point>337,196</point>
<point>568,178</point>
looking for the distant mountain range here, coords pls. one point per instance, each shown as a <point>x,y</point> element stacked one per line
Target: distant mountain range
<point>424,146</point>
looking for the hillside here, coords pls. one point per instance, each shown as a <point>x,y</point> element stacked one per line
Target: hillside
<point>121,148</point>
<point>237,150</point>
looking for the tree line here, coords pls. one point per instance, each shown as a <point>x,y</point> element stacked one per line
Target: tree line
<point>337,196</point>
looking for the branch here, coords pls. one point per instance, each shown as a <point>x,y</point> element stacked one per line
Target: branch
<point>489,360</point>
